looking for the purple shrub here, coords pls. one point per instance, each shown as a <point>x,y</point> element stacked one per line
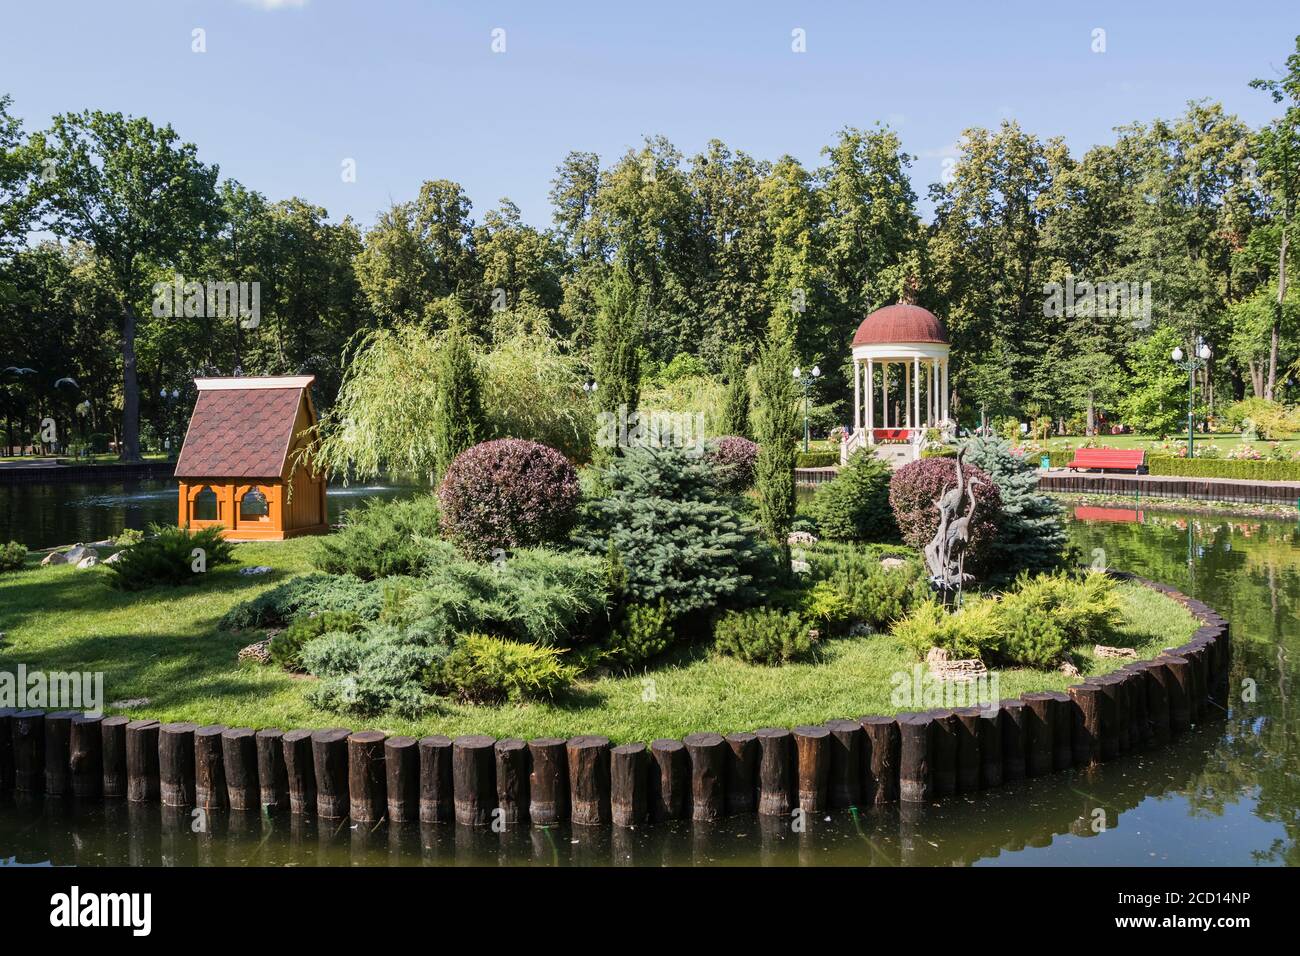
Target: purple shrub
<point>914,494</point>
<point>733,459</point>
<point>507,493</point>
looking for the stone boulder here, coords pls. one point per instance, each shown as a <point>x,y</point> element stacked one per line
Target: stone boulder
<point>54,557</point>
<point>89,561</point>
<point>78,553</point>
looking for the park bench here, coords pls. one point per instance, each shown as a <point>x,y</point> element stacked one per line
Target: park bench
<point>891,434</point>
<point>1109,459</point>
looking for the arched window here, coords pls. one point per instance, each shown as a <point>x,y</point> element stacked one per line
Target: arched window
<point>205,505</point>
<point>253,505</point>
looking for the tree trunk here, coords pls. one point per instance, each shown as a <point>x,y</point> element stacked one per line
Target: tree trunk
<point>130,447</point>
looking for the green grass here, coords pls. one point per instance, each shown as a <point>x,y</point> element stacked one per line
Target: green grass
<point>164,645</point>
<point>1225,441</point>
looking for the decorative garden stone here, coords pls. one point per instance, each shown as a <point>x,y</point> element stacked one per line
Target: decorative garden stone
<point>54,557</point>
<point>89,561</point>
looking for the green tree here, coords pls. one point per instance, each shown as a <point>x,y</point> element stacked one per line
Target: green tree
<point>778,427</point>
<point>1156,399</point>
<point>458,420</point>
<point>616,351</point>
<point>139,197</point>
<point>735,404</point>
<point>1031,535</point>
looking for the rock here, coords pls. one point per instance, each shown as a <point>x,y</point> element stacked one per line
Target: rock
<point>129,703</point>
<point>259,653</point>
<point>944,669</point>
<point>54,557</point>
<point>259,569</point>
<point>800,567</point>
<point>800,539</point>
<point>889,564</point>
<point>89,561</point>
<point>1102,650</point>
<point>1069,670</point>
<point>113,558</point>
<point>78,553</point>
<point>860,629</point>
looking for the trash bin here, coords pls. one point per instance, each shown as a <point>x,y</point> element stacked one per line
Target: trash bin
<point>1045,462</point>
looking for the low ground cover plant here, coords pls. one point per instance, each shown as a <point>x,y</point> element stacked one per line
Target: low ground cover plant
<point>12,556</point>
<point>170,557</point>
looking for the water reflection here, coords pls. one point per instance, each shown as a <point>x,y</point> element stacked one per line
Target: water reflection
<point>1228,792</point>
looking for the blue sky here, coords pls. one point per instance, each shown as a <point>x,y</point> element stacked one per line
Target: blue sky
<point>289,89</point>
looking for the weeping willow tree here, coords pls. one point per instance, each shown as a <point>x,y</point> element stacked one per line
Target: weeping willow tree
<point>384,422</point>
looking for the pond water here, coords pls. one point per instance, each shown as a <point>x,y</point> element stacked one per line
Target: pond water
<point>58,513</point>
<point>1228,792</point>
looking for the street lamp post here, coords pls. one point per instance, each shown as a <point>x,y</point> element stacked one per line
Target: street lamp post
<point>1191,363</point>
<point>806,380</point>
<point>168,411</point>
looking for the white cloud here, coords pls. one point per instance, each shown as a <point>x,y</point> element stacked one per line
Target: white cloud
<point>274,4</point>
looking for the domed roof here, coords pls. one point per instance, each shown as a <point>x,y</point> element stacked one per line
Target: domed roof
<point>901,323</point>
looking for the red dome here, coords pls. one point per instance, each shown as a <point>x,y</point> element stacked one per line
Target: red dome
<point>901,323</point>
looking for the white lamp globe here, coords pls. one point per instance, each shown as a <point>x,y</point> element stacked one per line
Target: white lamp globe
<point>1178,353</point>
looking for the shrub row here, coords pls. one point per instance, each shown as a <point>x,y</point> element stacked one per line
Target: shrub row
<point>817,459</point>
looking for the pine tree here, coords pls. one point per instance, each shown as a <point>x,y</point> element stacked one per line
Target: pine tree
<point>616,345</point>
<point>458,419</point>
<point>734,419</point>
<point>1031,535</point>
<point>778,434</point>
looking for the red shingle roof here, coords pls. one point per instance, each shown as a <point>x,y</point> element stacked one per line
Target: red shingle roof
<point>901,323</point>
<point>239,432</point>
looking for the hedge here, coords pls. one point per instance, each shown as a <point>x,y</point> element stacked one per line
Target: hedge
<point>817,459</point>
<point>1175,467</point>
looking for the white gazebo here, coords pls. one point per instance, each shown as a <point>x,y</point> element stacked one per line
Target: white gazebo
<point>900,381</point>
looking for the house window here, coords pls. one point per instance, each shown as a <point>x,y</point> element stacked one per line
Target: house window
<point>252,506</point>
<point>205,505</point>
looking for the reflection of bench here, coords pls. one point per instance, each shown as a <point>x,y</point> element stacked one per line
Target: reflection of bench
<point>1109,459</point>
<point>1097,513</point>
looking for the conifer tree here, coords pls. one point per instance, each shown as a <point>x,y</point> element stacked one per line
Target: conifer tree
<point>734,419</point>
<point>458,419</point>
<point>778,434</point>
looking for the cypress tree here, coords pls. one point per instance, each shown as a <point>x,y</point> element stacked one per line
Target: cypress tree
<point>617,337</point>
<point>735,401</point>
<point>458,419</point>
<point>778,435</point>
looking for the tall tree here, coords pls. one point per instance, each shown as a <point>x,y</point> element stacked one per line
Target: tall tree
<point>778,436</point>
<point>734,419</point>
<point>137,195</point>
<point>458,420</point>
<point>616,349</point>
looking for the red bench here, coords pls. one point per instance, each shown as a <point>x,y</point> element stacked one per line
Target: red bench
<point>891,434</point>
<point>1109,459</point>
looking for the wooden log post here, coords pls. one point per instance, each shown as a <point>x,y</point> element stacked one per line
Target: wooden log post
<point>1062,730</point>
<point>86,757</point>
<point>743,755</point>
<point>548,781</point>
<point>846,763</point>
<point>916,751</point>
<point>402,778</point>
<point>1139,695</point>
<point>329,757</point>
<point>943,755</point>
<point>968,749</point>
<point>512,781</point>
<point>437,804</point>
<point>776,771</point>
<point>990,740</point>
<point>272,777</point>
<point>112,745</point>
<point>367,787</point>
<point>629,780</point>
<point>58,739</point>
<point>1123,708</point>
<point>1108,708</point>
<point>1198,654</point>
<point>299,771</point>
<point>812,747</point>
<point>881,744</point>
<point>588,757</point>
<point>1159,677</point>
<point>209,768</point>
<point>175,763</point>
<point>473,779</point>
<point>28,740</point>
<point>706,755</point>
<point>7,748</point>
<point>670,778</point>
<point>1015,739</point>
<point>1041,724</point>
<point>141,755</point>
<point>239,758</point>
<point>1179,691</point>
<point>1085,727</point>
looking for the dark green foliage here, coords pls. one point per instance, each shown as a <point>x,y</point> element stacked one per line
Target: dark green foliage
<point>286,647</point>
<point>875,594</point>
<point>490,670</point>
<point>646,631</point>
<point>816,459</point>
<point>385,538</point>
<point>778,435</point>
<point>763,636</point>
<point>615,347</point>
<point>734,419</point>
<point>384,669</point>
<point>854,506</point>
<point>677,538</point>
<point>306,595</point>
<point>1031,535</point>
<point>458,419</point>
<point>13,556</point>
<point>167,558</point>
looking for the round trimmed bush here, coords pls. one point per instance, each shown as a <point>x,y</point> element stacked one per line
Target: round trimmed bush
<point>914,495</point>
<point>733,459</point>
<point>507,493</point>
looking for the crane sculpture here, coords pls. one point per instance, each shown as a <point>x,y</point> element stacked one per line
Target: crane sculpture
<point>945,555</point>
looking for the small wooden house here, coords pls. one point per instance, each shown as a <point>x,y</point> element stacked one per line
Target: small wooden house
<point>237,466</point>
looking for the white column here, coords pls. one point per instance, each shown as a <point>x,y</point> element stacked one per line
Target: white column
<point>915,398</point>
<point>934,392</point>
<point>871,400</point>
<point>907,396</point>
<point>943,390</point>
<point>857,395</point>
<point>884,394</point>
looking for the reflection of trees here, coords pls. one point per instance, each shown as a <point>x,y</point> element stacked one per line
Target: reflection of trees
<point>1249,569</point>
